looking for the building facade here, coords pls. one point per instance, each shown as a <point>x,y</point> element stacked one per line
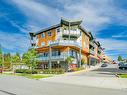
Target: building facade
<point>95,50</point>
<point>66,39</point>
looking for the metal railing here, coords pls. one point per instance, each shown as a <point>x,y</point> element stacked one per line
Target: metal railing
<point>63,56</point>
<point>66,43</point>
<point>72,32</point>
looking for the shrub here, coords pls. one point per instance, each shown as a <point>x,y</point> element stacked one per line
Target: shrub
<point>20,70</point>
<point>76,69</point>
<point>53,71</point>
<point>27,71</point>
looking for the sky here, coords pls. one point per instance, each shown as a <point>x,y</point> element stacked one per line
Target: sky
<point>106,19</point>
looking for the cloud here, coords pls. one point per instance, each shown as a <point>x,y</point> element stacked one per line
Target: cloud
<point>120,35</point>
<point>114,47</point>
<point>37,13</point>
<point>96,14</point>
<point>14,42</point>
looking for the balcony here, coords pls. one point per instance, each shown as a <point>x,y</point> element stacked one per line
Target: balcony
<point>92,43</point>
<point>66,43</point>
<point>61,57</point>
<point>72,33</point>
<point>92,51</point>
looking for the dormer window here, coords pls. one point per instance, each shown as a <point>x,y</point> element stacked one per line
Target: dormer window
<point>49,33</point>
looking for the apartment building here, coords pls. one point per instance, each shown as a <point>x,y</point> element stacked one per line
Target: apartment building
<point>58,42</point>
<point>95,50</point>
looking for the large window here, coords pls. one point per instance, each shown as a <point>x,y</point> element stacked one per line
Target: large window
<point>55,53</point>
<point>43,35</point>
<point>49,33</point>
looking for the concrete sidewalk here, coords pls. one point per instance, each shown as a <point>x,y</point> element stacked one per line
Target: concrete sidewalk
<point>101,82</point>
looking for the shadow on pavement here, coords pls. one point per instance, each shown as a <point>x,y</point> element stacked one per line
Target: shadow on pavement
<point>9,93</point>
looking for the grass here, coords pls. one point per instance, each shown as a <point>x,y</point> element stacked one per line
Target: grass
<point>34,76</point>
<point>122,75</point>
<point>30,76</point>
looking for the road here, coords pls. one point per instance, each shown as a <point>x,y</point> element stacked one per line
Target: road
<point>108,71</point>
<point>13,85</point>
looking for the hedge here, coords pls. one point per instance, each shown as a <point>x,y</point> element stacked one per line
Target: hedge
<point>53,71</point>
<point>27,71</point>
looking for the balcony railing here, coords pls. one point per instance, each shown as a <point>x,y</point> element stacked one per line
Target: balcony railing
<point>92,43</point>
<point>75,33</point>
<point>92,51</point>
<point>66,43</point>
<point>63,56</point>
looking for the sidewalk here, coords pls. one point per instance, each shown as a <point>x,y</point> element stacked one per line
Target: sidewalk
<point>103,82</point>
<point>93,81</point>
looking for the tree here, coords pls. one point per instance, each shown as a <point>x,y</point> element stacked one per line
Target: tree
<point>119,58</point>
<point>69,60</point>
<point>83,62</point>
<point>16,58</point>
<point>29,58</point>
<point>1,56</point>
<point>7,60</point>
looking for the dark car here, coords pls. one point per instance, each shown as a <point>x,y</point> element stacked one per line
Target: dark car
<point>104,65</point>
<point>123,66</point>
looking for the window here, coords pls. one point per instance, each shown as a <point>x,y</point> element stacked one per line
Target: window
<point>43,44</point>
<point>43,35</point>
<point>49,33</point>
<point>49,42</point>
<point>58,30</point>
<point>55,53</point>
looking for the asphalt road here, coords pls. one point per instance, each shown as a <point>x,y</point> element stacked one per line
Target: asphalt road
<point>22,86</point>
<point>108,71</point>
<point>13,85</point>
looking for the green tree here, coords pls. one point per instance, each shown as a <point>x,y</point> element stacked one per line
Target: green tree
<point>30,58</point>
<point>83,61</point>
<point>1,56</point>
<point>16,58</point>
<point>119,58</point>
<point>7,60</point>
<point>69,60</point>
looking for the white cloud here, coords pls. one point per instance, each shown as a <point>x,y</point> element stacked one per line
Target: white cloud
<point>95,13</point>
<point>14,42</point>
<point>114,48</point>
<point>120,35</point>
<point>112,44</point>
<point>37,13</point>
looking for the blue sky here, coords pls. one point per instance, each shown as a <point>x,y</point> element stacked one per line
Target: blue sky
<point>106,19</point>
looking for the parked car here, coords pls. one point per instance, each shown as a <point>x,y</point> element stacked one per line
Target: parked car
<point>104,65</point>
<point>123,66</point>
